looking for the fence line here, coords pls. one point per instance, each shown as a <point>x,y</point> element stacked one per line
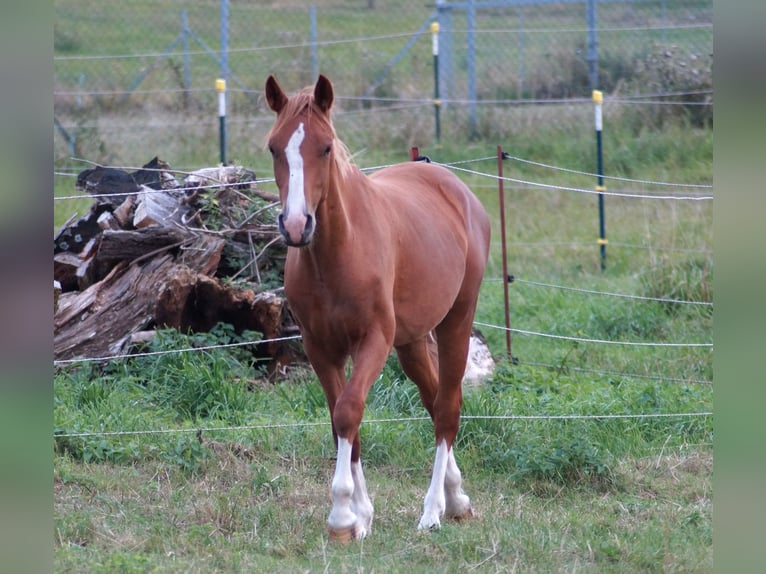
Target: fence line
<point>648,182</point>
<point>589,174</point>
<point>590,244</point>
<point>170,351</point>
<point>251,49</point>
<point>61,362</point>
<point>450,165</point>
<point>580,189</point>
<point>564,367</point>
<point>414,102</point>
<point>389,99</point>
<point>296,337</point>
<point>600,29</point>
<point>623,295</point>
<point>586,340</point>
<point>376,38</point>
<point>267,426</point>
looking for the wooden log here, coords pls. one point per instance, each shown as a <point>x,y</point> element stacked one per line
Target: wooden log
<point>99,321</point>
<point>118,245</point>
<point>193,302</point>
<point>56,295</point>
<point>265,195</point>
<point>142,268</point>
<point>225,175</point>
<point>108,221</point>
<point>159,208</point>
<point>65,266</point>
<point>85,274</point>
<point>124,212</point>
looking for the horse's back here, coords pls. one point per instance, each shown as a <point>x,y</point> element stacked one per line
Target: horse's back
<point>431,195</point>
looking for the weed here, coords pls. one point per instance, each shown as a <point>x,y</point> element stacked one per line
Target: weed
<point>690,280</point>
<point>188,453</point>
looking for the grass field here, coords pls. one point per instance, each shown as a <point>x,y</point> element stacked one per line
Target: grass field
<point>552,492</point>
<point>550,495</point>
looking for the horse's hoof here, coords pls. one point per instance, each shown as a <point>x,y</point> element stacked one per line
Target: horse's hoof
<point>464,516</point>
<point>342,535</point>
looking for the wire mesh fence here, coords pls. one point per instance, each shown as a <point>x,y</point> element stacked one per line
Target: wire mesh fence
<point>128,75</point>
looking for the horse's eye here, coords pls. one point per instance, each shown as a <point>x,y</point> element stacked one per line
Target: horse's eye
<point>271,151</point>
<point>327,150</point>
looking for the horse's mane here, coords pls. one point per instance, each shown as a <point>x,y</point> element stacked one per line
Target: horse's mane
<point>302,103</point>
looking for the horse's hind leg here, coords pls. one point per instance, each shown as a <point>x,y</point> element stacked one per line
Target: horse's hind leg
<point>418,364</point>
<point>415,359</point>
<point>445,494</point>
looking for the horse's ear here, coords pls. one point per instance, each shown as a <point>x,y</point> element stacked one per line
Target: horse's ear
<point>323,94</point>
<point>274,95</point>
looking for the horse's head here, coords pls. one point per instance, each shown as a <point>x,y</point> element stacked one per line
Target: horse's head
<point>301,145</point>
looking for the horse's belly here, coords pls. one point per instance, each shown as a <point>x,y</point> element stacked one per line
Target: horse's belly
<point>424,296</point>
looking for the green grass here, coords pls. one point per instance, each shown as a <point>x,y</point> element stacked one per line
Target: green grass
<point>606,495</point>
<point>269,516</point>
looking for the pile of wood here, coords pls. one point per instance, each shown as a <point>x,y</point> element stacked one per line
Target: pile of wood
<point>156,252</point>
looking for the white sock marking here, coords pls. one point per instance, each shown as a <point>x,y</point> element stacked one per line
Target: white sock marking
<point>361,504</point>
<point>458,505</point>
<point>341,515</point>
<point>434,503</point>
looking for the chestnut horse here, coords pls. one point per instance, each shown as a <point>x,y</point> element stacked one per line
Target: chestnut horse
<point>374,263</point>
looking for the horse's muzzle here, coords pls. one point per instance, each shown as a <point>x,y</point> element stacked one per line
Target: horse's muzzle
<point>297,231</point>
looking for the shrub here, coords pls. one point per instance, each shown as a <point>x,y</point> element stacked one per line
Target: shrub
<point>667,70</point>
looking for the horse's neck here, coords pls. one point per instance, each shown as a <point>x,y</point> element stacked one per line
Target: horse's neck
<point>342,207</point>
<point>339,216</point>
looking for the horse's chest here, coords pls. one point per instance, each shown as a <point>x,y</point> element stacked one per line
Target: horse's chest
<point>326,312</point>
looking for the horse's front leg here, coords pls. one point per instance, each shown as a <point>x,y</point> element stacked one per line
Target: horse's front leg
<point>352,510</point>
<point>351,514</point>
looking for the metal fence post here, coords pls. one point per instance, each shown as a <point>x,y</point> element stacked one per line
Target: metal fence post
<point>220,87</point>
<point>471,57</point>
<point>520,94</point>
<point>314,54</point>
<point>187,64</point>
<point>446,50</point>
<point>503,241</point>
<point>598,99</point>
<point>592,57</point>
<point>225,39</point>
<point>437,101</point>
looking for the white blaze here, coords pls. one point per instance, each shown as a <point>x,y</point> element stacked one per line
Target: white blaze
<point>296,198</point>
